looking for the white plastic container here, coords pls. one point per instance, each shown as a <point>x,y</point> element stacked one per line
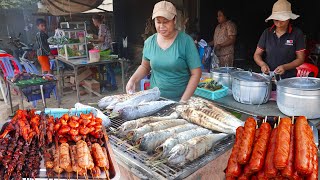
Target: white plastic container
<point>94,56</point>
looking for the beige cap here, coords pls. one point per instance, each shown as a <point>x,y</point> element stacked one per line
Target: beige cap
<point>282,11</point>
<point>164,9</point>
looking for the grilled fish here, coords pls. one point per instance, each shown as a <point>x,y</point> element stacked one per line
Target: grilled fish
<point>144,96</point>
<point>135,124</point>
<point>195,116</point>
<point>109,101</point>
<point>222,116</point>
<point>193,148</point>
<point>157,126</point>
<point>143,109</point>
<point>153,139</point>
<point>180,138</point>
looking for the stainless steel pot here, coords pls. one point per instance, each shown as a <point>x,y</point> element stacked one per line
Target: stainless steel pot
<point>250,88</point>
<point>222,75</point>
<point>299,96</point>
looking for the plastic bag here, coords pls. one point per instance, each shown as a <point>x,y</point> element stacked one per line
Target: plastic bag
<point>214,60</point>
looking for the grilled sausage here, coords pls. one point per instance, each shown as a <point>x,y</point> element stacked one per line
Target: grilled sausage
<point>302,147</point>
<point>261,175</point>
<point>91,163</point>
<point>260,148</point>
<point>230,178</point>
<point>83,154</point>
<point>247,141</point>
<point>96,172</point>
<point>296,176</point>
<point>288,170</point>
<point>311,144</point>
<point>234,168</point>
<point>281,153</point>
<point>65,161</point>
<point>269,168</point>
<point>106,154</point>
<point>73,155</point>
<point>314,174</point>
<point>99,158</point>
<point>56,162</point>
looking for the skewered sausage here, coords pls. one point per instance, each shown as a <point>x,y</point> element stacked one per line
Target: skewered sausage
<point>261,175</point>
<point>234,168</point>
<point>99,156</point>
<point>269,169</point>
<point>281,153</point>
<point>246,170</point>
<point>106,154</point>
<point>56,162</point>
<point>83,154</point>
<point>96,172</point>
<point>91,163</point>
<point>73,155</point>
<point>65,161</point>
<point>247,141</point>
<point>302,147</point>
<point>288,170</point>
<point>260,148</point>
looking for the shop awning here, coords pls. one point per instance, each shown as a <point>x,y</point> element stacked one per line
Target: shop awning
<point>66,7</point>
<point>107,5</point>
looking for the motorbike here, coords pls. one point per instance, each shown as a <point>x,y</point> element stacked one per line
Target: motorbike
<point>22,50</point>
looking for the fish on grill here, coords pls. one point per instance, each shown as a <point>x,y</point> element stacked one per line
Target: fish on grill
<point>153,139</point>
<point>202,119</point>
<point>135,124</point>
<point>193,148</point>
<point>144,96</point>
<point>143,109</point>
<point>110,101</point>
<point>137,133</point>
<point>164,149</point>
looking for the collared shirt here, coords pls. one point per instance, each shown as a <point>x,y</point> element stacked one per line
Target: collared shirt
<point>221,34</point>
<point>42,44</point>
<point>104,31</point>
<point>282,50</point>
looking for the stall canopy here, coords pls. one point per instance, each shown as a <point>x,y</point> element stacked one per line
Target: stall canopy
<point>65,7</point>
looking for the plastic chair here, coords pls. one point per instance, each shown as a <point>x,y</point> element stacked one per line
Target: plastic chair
<point>29,67</point>
<point>143,82</point>
<point>306,68</point>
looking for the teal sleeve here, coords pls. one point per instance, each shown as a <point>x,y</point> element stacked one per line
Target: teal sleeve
<point>192,54</point>
<point>144,52</point>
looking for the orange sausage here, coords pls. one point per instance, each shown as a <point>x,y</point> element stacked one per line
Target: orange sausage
<point>281,153</point>
<point>269,168</point>
<point>246,144</point>
<point>288,170</point>
<point>234,168</point>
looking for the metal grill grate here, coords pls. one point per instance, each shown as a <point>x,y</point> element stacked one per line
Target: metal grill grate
<point>162,170</point>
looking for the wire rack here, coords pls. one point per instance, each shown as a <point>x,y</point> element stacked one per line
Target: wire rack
<point>162,170</point>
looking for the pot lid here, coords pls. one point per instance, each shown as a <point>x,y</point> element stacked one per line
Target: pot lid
<point>250,76</point>
<point>305,83</point>
<point>225,69</point>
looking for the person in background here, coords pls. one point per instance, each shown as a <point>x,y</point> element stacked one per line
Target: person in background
<point>224,39</point>
<point>43,51</point>
<point>104,40</point>
<point>172,56</point>
<point>283,44</point>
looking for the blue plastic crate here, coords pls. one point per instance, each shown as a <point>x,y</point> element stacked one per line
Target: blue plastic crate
<point>212,95</point>
<point>58,112</point>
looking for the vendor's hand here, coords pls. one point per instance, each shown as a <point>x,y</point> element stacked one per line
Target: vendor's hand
<point>265,69</point>
<point>280,70</point>
<point>131,87</point>
<point>183,102</point>
<point>218,46</point>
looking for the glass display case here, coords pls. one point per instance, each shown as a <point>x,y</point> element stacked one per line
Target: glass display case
<point>76,47</point>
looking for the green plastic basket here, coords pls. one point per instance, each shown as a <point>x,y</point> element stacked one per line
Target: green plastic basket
<point>212,95</point>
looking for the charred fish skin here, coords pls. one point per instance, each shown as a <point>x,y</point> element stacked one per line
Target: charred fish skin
<point>202,119</point>
<point>151,140</point>
<point>143,109</point>
<point>138,133</point>
<point>134,124</point>
<point>145,96</point>
<point>193,148</point>
<point>179,138</point>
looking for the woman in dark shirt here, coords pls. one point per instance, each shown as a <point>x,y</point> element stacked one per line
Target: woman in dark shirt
<point>283,44</point>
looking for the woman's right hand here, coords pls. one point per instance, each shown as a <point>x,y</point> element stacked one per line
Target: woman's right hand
<point>131,87</point>
<point>265,69</point>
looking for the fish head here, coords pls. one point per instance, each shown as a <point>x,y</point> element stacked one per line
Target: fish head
<point>178,155</point>
<point>166,147</point>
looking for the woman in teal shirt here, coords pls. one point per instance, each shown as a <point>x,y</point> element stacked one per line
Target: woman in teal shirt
<point>171,55</point>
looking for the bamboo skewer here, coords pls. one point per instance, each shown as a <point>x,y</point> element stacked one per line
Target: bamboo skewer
<point>77,174</point>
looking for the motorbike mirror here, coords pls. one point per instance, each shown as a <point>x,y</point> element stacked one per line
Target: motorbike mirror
<point>19,35</point>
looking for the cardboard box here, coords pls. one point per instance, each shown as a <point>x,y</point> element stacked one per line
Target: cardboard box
<point>92,84</point>
<point>84,75</point>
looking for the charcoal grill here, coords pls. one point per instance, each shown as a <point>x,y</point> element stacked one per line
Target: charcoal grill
<point>139,160</point>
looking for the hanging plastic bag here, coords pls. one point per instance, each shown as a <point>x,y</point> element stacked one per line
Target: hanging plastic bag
<point>214,60</point>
